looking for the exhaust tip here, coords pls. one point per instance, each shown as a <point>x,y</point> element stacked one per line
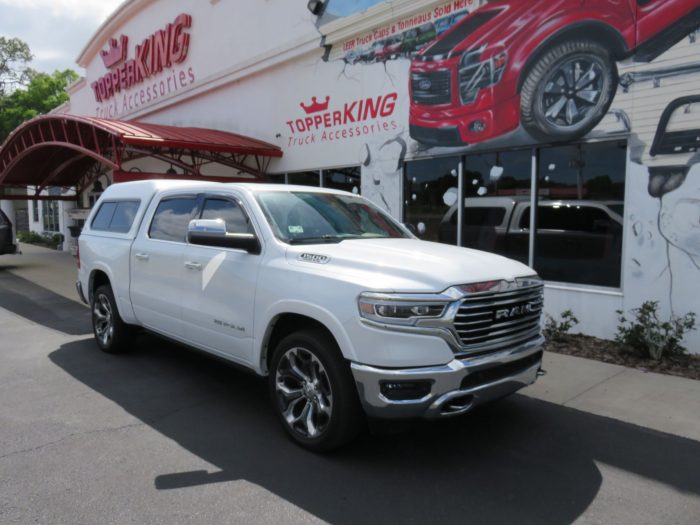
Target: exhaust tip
<point>457,405</point>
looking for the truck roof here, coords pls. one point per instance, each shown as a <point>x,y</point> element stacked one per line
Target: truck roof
<point>139,189</point>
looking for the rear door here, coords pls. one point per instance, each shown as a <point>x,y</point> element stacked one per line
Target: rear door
<point>219,285</point>
<point>157,269</point>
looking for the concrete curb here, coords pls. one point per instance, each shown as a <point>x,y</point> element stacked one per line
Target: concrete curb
<point>661,402</point>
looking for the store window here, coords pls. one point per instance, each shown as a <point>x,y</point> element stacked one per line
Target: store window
<point>579,216</point>
<point>580,213</point>
<point>35,210</point>
<point>305,178</point>
<point>276,178</point>
<point>51,216</point>
<point>346,179</point>
<point>430,191</point>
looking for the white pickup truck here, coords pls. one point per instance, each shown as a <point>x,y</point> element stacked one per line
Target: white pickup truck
<point>340,306</point>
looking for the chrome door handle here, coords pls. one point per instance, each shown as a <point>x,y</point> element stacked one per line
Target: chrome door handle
<point>142,256</point>
<point>193,265</point>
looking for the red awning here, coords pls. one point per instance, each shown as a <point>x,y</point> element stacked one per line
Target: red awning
<point>68,150</point>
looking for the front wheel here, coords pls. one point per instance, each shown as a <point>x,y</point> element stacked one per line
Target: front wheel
<point>568,91</point>
<point>111,333</point>
<point>313,391</point>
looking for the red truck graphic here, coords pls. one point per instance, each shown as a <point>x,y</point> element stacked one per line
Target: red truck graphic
<point>549,65</point>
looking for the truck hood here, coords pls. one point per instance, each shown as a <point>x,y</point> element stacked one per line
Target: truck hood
<point>405,265</point>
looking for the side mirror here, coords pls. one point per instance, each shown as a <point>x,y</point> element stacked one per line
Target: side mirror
<point>212,232</point>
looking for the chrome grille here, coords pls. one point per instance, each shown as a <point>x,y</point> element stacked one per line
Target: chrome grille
<point>494,320</point>
<point>431,88</point>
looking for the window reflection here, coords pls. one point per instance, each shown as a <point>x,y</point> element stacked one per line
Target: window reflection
<point>430,193</point>
<point>579,215</point>
<point>305,178</point>
<point>346,179</point>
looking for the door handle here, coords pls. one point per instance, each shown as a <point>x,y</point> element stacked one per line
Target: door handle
<point>142,256</point>
<point>193,265</point>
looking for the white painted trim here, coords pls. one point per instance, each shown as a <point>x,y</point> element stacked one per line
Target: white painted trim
<point>584,289</point>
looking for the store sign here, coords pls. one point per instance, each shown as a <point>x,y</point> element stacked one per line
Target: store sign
<point>161,50</point>
<point>320,122</point>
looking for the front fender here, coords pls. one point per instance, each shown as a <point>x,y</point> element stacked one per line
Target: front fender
<point>317,313</point>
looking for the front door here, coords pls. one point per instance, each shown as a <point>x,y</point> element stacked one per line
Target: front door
<point>219,286</point>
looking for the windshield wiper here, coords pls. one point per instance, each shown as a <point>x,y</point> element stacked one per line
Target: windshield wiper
<point>319,239</point>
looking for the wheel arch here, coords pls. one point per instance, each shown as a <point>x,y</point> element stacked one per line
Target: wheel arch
<point>591,30</point>
<point>98,277</point>
<point>287,322</point>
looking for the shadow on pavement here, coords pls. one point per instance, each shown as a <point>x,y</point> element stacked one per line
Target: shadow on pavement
<point>517,461</point>
<point>42,306</point>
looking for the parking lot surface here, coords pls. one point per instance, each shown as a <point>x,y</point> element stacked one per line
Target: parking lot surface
<point>166,435</point>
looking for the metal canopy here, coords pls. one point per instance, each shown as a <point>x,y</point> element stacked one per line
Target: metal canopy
<point>72,151</point>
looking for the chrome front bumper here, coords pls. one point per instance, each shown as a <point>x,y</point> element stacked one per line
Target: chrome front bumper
<point>455,388</point>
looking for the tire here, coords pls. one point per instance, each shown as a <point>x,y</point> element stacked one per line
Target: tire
<point>111,333</point>
<point>313,391</point>
<point>552,108</point>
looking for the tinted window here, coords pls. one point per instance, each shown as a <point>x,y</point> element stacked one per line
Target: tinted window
<point>430,189</point>
<point>483,216</point>
<point>347,179</point>
<point>572,217</point>
<point>115,216</point>
<point>171,219</point>
<point>230,212</point>
<point>123,216</point>
<point>104,216</point>
<point>305,178</point>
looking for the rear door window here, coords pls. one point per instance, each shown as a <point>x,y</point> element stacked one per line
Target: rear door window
<point>171,219</point>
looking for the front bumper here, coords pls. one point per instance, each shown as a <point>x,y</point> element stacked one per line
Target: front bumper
<point>491,116</point>
<point>454,388</point>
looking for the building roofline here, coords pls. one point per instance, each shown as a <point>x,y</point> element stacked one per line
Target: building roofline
<point>126,10</point>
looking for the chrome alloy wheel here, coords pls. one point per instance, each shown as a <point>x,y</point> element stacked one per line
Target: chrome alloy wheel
<point>573,91</point>
<point>103,320</point>
<point>304,392</point>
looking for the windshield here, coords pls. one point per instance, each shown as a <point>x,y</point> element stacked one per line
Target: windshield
<point>309,218</point>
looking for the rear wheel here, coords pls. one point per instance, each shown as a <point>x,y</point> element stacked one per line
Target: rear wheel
<point>313,391</point>
<point>111,333</point>
<point>568,91</point>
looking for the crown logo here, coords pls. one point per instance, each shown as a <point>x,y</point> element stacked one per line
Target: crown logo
<point>116,52</point>
<point>315,105</point>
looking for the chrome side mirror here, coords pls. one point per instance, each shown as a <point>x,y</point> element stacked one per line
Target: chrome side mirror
<point>212,232</point>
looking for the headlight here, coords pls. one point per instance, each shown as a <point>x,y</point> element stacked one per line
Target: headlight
<point>400,309</point>
<point>476,74</point>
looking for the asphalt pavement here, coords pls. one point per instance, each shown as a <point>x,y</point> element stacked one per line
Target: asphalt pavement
<point>166,435</point>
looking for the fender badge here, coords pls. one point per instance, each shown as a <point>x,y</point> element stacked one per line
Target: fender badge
<point>313,258</point>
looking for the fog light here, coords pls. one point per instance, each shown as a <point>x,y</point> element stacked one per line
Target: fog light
<point>404,390</point>
<point>477,126</point>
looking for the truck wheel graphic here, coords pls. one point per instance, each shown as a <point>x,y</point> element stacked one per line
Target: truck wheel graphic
<point>568,91</point>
